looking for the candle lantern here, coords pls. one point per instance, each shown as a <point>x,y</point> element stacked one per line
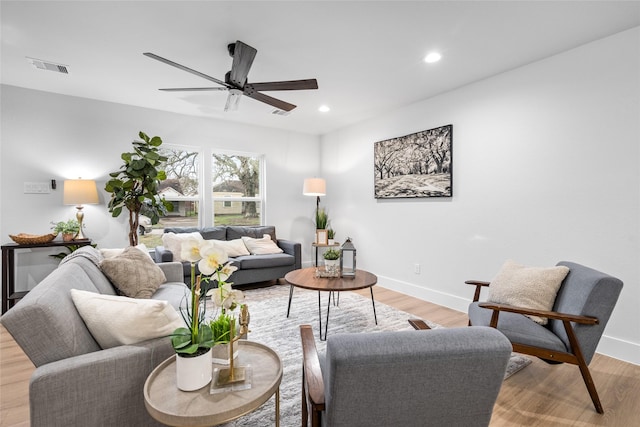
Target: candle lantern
<point>348,259</point>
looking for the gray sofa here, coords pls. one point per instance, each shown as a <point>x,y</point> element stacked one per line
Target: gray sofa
<point>76,383</point>
<point>251,268</point>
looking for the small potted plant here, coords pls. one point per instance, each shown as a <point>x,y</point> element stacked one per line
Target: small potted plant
<point>332,261</point>
<point>69,229</point>
<point>322,220</point>
<point>331,234</point>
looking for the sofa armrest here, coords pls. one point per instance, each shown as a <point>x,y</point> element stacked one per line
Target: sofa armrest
<point>163,254</point>
<point>173,271</point>
<point>292,248</point>
<point>72,391</point>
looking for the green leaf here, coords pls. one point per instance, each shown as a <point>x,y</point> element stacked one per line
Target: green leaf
<point>155,141</point>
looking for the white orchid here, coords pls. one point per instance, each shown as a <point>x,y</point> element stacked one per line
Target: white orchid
<point>212,260</point>
<point>190,250</point>
<point>225,296</point>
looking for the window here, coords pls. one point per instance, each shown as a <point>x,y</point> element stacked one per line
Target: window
<point>181,189</point>
<point>234,182</point>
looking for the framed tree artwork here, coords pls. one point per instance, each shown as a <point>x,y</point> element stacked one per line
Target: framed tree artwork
<point>416,165</point>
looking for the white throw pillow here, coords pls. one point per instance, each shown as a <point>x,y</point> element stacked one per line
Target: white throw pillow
<point>262,246</point>
<point>233,248</point>
<point>527,287</point>
<point>115,321</point>
<point>110,253</point>
<point>173,242</point>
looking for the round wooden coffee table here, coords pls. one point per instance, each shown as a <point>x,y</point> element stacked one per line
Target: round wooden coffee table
<point>171,406</point>
<point>306,278</point>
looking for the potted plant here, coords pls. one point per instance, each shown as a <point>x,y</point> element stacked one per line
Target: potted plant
<point>136,184</point>
<point>194,342</point>
<point>322,220</point>
<point>69,229</point>
<point>332,261</point>
<point>331,234</point>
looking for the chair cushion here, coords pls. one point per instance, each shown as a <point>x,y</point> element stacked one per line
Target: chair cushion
<point>518,328</point>
<point>133,273</point>
<point>527,287</point>
<point>115,320</point>
<point>263,246</point>
<point>110,253</point>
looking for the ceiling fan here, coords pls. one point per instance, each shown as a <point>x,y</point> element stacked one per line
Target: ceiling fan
<point>235,81</point>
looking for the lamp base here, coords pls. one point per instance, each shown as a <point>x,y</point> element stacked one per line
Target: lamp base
<point>80,217</point>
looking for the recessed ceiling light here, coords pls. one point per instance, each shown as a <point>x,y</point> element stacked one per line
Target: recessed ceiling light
<point>324,109</point>
<point>432,57</point>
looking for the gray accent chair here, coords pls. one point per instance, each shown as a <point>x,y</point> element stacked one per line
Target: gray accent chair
<point>577,321</point>
<point>439,377</point>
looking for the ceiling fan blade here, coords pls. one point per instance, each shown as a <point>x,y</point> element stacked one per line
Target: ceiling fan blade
<point>243,56</point>
<point>285,85</point>
<point>178,89</point>
<point>284,106</point>
<point>187,69</point>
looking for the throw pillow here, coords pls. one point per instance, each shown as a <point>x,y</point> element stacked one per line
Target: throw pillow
<point>133,273</point>
<point>233,248</point>
<point>262,246</point>
<point>110,253</point>
<point>115,320</point>
<point>528,287</point>
<point>173,242</point>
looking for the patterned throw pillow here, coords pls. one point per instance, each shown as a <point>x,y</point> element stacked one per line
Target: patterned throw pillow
<point>527,287</point>
<point>133,273</point>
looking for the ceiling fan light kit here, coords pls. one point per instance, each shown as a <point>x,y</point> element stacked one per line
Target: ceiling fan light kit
<point>235,81</point>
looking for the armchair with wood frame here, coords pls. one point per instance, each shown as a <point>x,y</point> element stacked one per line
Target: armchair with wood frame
<point>405,378</point>
<point>582,308</point>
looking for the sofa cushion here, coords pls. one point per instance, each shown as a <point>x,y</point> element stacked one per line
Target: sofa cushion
<point>263,261</point>
<point>528,287</point>
<point>115,320</point>
<point>133,273</point>
<point>110,253</point>
<point>233,248</point>
<point>263,246</point>
<point>237,232</point>
<point>173,242</point>
<point>214,233</point>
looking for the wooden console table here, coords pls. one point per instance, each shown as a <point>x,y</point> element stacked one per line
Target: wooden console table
<point>9,294</point>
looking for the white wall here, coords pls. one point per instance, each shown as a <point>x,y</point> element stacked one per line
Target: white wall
<point>546,168</point>
<point>46,136</point>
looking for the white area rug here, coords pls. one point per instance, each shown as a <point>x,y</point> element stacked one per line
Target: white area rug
<point>270,325</point>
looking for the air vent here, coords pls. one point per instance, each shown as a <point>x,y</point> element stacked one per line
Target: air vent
<point>47,65</point>
<point>279,112</point>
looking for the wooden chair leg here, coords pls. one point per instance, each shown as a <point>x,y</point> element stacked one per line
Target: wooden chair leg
<point>418,324</point>
<point>305,413</point>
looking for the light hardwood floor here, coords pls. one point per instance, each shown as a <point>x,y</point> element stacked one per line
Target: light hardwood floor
<point>539,395</point>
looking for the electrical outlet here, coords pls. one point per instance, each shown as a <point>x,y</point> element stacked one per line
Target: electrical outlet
<point>416,268</point>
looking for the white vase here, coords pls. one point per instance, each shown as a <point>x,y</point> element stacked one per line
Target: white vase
<point>193,373</point>
<point>220,353</point>
<point>332,266</point>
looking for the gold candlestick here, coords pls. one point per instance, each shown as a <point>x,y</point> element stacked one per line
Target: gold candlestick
<point>232,374</point>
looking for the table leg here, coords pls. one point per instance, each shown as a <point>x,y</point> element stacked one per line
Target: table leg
<point>319,316</point>
<point>290,296</point>
<point>326,324</point>
<point>373,302</point>
<point>278,407</point>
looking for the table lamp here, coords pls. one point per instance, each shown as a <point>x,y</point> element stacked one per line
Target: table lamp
<point>80,192</point>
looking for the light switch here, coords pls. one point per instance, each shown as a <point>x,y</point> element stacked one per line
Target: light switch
<point>36,188</point>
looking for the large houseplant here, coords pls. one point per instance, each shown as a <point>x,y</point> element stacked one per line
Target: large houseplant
<point>136,184</point>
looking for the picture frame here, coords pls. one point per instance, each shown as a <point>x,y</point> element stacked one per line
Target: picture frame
<point>322,237</point>
<point>415,165</point>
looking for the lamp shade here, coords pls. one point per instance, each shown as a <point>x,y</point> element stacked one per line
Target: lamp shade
<point>80,192</point>
<point>314,187</point>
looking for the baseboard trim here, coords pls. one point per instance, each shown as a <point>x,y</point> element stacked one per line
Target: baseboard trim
<point>609,346</point>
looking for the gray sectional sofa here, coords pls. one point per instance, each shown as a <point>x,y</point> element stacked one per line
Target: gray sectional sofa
<point>251,268</point>
<point>76,382</point>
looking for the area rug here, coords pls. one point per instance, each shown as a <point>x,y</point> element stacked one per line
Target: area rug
<point>270,325</point>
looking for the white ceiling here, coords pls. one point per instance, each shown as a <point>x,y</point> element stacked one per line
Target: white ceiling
<point>366,55</point>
